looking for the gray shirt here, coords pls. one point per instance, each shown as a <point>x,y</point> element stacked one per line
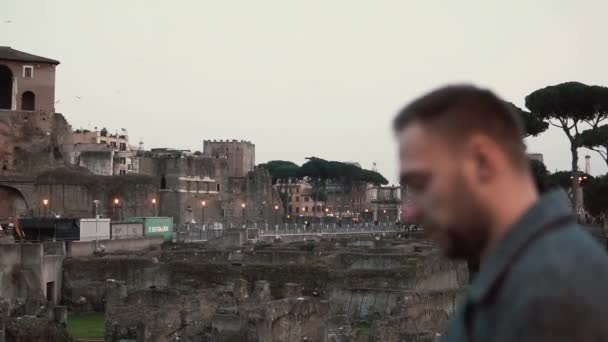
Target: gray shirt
<point>547,280</point>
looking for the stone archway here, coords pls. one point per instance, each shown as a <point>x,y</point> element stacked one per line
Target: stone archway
<point>12,203</point>
<point>28,101</point>
<point>6,88</point>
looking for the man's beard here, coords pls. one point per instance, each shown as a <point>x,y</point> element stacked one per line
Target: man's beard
<point>467,235</point>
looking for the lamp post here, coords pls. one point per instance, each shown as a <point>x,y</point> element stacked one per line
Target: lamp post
<point>115,204</point>
<point>154,207</point>
<point>203,205</point>
<point>385,217</point>
<point>243,206</point>
<point>45,202</point>
<point>96,203</point>
<point>276,211</point>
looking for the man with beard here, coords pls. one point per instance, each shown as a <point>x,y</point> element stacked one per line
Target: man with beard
<point>541,277</point>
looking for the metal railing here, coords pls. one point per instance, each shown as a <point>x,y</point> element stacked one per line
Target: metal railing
<point>193,232</point>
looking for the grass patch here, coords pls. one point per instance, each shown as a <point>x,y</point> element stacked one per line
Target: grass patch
<point>90,325</point>
<point>361,332</point>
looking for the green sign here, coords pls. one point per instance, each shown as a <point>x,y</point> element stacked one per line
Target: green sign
<point>156,226</point>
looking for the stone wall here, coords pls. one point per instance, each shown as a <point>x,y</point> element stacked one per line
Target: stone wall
<point>79,249</point>
<point>27,273</point>
<point>421,316</point>
<point>71,193</point>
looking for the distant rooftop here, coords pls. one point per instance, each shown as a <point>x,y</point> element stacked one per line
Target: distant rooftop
<point>8,53</point>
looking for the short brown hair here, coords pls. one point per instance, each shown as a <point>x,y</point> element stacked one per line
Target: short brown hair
<point>462,110</point>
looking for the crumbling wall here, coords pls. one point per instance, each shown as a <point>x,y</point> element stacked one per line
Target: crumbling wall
<point>158,315</point>
<point>423,316</point>
<point>30,329</point>
<point>84,286</point>
<point>28,142</point>
<point>414,288</point>
<point>72,193</point>
<point>25,271</point>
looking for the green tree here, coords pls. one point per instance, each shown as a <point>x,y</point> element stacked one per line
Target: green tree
<point>596,140</point>
<point>568,106</point>
<point>533,124</point>
<point>320,172</point>
<point>596,196</point>
<point>540,174</point>
<point>282,172</point>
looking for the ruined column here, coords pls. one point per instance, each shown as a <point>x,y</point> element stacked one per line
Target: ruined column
<point>293,290</point>
<point>241,292</point>
<point>60,315</point>
<point>261,291</point>
<point>116,292</point>
<point>2,335</point>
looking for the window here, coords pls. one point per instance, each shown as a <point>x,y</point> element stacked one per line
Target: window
<point>123,146</point>
<point>102,141</point>
<point>223,213</point>
<point>113,144</point>
<point>298,189</point>
<point>297,210</point>
<point>297,198</point>
<point>129,167</point>
<point>28,71</point>
<point>305,209</point>
<point>290,209</point>
<point>218,187</point>
<point>50,291</point>
<point>306,199</point>
<point>122,160</point>
<point>123,172</point>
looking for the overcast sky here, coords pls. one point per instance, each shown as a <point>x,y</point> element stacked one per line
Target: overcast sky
<point>301,78</point>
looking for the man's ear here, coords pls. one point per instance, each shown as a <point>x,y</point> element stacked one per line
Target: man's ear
<point>484,155</point>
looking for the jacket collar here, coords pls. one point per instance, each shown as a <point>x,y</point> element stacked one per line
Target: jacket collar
<point>550,207</point>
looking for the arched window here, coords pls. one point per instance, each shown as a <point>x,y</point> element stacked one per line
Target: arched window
<point>163,183</point>
<point>6,87</point>
<point>28,101</point>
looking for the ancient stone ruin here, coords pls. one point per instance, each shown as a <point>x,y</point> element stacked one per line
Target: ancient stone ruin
<point>357,289</point>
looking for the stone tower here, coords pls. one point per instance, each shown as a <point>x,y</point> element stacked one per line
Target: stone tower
<point>239,153</point>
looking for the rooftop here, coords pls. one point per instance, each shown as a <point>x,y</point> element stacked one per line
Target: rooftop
<point>8,53</point>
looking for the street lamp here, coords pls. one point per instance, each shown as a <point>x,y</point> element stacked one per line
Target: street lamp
<point>385,217</point>
<point>243,206</point>
<point>45,202</point>
<point>323,218</point>
<point>96,203</point>
<point>154,207</point>
<point>276,210</point>
<point>203,205</point>
<point>116,201</point>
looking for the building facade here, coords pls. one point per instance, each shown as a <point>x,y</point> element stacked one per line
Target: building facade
<point>124,156</point>
<point>27,82</point>
<point>385,202</point>
<point>202,187</point>
<point>27,109</point>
